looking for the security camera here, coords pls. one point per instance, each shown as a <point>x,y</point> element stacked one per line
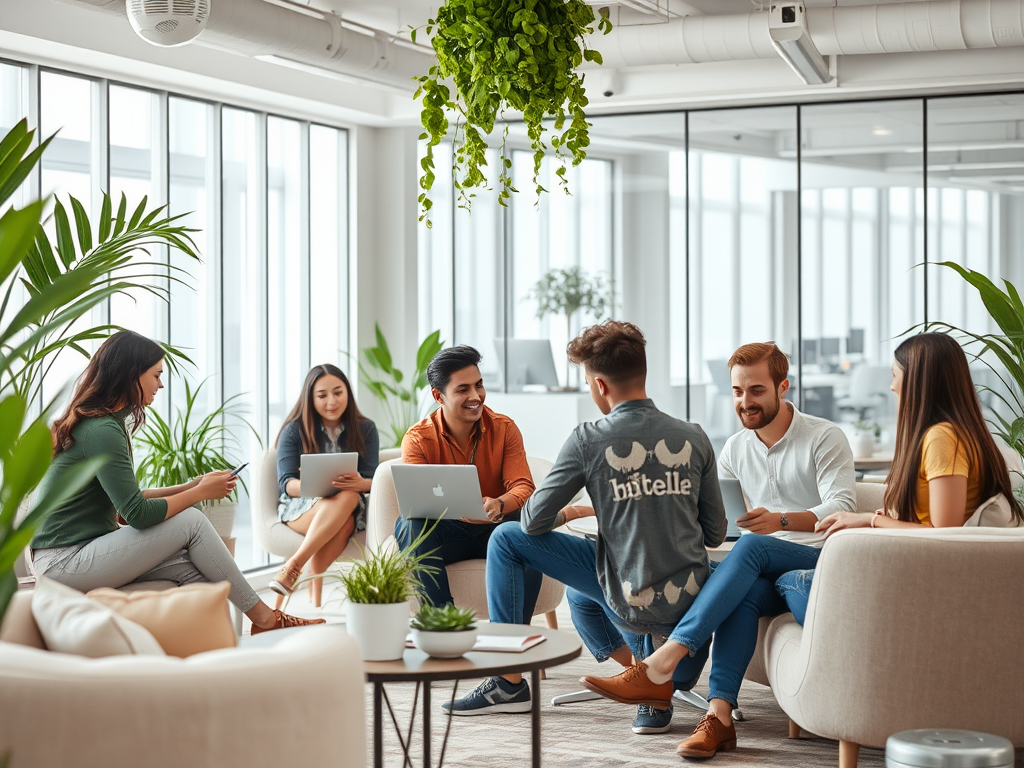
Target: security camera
<point>610,82</point>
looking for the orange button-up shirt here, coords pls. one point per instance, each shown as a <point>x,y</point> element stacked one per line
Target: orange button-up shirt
<point>500,456</point>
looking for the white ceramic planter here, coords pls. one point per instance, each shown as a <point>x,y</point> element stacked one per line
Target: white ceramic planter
<point>444,645</point>
<point>380,629</point>
<point>863,444</point>
<point>223,517</point>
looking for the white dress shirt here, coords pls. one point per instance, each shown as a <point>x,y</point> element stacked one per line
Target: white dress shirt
<point>810,468</point>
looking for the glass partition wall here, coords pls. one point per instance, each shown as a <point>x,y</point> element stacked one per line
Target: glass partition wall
<point>267,196</point>
<point>819,227</point>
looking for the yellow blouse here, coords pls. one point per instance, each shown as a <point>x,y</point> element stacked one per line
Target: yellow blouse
<point>944,453</point>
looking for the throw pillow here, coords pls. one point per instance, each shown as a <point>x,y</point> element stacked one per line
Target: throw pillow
<point>186,620</point>
<point>72,623</point>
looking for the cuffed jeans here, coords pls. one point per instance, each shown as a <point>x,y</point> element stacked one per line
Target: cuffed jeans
<point>512,553</point>
<point>184,549</point>
<point>453,541</point>
<point>739,591</point>
<point>795,588</point>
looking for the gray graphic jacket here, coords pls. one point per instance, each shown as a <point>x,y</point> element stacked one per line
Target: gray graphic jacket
<point>654,484</point>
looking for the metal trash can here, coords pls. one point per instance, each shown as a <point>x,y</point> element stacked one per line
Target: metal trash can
<point>947,748</point>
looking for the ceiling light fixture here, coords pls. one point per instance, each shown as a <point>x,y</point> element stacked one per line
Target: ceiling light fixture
<point>787,25</point>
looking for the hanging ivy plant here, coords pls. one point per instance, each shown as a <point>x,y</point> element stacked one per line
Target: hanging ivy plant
<point>506,54</point>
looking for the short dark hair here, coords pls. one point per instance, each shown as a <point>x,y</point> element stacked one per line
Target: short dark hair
<point>448,361</point>
<point>613,349</point>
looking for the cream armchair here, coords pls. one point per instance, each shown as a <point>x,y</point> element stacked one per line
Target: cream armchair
<point>272,535</point>
<point>468,578</point>
<point>905,629</point>
<point>300,701</point>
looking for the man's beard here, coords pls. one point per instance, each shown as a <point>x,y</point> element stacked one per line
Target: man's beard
<point>758,418</point>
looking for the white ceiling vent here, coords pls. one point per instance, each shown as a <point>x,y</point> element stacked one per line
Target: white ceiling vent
<point>168,23</point>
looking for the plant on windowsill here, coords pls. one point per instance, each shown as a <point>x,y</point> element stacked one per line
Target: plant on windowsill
<point>566,292</point>
<point>1007,347</point>
<point>400,397</point>
<point>446,632</point>
<point>500,55</point>
<point>188,447</point>
<point>379,588</point>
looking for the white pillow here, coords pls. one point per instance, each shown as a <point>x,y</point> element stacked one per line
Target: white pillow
<point>72,623</point>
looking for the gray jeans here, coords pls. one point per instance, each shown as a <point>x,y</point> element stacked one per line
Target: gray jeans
<point>185,549</point>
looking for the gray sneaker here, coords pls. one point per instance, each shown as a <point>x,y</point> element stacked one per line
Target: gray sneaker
<point>495,695</point>
<point>651,720</point>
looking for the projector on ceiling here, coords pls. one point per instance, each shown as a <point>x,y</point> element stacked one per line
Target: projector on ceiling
<point>168,23</point>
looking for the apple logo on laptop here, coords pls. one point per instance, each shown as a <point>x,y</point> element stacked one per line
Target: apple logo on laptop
<point>438,491</point>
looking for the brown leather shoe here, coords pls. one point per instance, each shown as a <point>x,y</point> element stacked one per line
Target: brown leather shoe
<point>284,621</point>
<point>708,738</point>
<point>631,687</point>
<point>284,582</point>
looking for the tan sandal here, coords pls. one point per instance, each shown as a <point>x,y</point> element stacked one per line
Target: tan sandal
<point>284,582</point>
<point>284,621</point>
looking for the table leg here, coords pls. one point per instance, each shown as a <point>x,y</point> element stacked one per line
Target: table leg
<point>378,732</point>
<point>426,724</point>
<point>535,716</point>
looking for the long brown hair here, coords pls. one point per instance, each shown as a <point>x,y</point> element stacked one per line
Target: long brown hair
<point>937,388</point>
<point>110,382</point>
<point>309,420</point>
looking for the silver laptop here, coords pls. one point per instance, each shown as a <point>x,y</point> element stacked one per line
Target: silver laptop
<point>432,490</point>
<point>318,470</point>
<point>735,505</point>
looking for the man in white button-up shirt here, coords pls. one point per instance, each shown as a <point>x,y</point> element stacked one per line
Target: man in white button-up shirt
<point>794,468</point>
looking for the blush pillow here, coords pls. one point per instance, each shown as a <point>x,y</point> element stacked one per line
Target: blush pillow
<point>185,620</point>
<point>72,623</point>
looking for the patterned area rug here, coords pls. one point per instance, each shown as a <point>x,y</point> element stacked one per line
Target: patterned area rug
<point>591,734</point>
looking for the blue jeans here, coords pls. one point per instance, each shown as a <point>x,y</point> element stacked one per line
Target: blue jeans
<point>512,554</point>
<point>453,541</point>
<point>795,588</point>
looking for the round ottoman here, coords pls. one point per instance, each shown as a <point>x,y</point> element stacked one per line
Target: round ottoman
<point>947,748</point>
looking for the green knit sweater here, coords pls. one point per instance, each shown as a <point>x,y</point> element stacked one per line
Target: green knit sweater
<point>92,512</point>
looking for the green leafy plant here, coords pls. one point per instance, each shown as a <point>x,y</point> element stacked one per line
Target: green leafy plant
<point>874,427</point>
<point>506,55</point>
<point>81,269</point>
<point>400,395</point>
<point>566,292</point>
<point>447,618</point>
<point>1002,353</point>
<point>189,446</point>
<point>386,575</point>
<point>25,443</point>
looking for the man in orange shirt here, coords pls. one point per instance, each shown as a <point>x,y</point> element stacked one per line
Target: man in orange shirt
<point>464,431</point>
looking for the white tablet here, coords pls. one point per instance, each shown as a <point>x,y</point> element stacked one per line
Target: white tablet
<point>318,470</point>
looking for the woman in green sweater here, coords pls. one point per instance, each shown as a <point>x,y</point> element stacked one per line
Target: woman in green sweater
<point>162,535</point>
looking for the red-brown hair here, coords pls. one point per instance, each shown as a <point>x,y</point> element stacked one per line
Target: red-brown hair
<point>937,388</point>
<point>309,420</point>
<point>752,354</point>
<point>613,349</point>
<point>110,382</point>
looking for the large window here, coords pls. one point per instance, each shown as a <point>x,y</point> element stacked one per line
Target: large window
<point>820,227</point>
<point>267,198</point>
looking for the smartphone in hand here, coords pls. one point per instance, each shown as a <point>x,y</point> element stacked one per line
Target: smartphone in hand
<point>239,468</point>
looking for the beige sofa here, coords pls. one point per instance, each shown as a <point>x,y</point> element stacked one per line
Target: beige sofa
<point>905,629</point>
<point>298,702</point>
<point>467,579</point>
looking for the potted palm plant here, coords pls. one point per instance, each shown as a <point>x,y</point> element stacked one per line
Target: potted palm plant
<point>446,632</point>
<point>189,446</point>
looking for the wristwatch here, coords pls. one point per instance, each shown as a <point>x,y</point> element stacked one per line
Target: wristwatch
<point>502,513</point>
<point>783,520</point>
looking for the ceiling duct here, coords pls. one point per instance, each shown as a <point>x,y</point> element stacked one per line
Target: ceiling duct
<point>930,25</point>
<point>303,35</point>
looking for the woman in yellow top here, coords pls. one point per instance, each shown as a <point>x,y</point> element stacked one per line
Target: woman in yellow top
<point>945,463</point>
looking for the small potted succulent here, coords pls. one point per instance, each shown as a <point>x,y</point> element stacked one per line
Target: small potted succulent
<point>866,434</point>
<point>445,633</point>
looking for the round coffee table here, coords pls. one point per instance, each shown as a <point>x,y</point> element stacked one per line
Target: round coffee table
<point>415,666</point>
